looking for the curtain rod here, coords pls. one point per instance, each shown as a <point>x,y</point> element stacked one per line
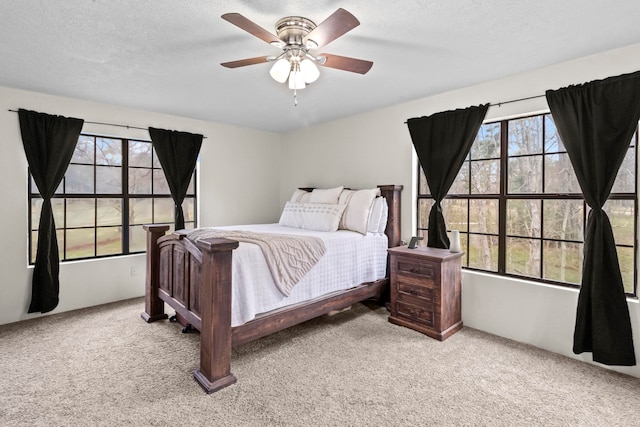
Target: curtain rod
<point>499,104</point>
<point>516,100</point>
<point>108,124</point>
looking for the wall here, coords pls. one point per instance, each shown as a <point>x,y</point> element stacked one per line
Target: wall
<point>236,172</point>
<point>375,148</point>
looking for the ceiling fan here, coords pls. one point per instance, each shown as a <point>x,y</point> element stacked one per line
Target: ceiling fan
<point>297,37</point>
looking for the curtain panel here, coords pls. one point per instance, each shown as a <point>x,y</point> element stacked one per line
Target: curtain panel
<point>596,122</point>
<point>177,152</point>
<point>49,142</point>
<point>442,142</point>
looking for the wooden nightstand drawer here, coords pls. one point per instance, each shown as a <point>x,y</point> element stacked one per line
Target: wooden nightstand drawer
<point>415,314</point>
<point>425,269</point>
<point>424,292</point>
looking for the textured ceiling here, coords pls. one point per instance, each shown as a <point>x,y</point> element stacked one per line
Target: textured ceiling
<point>164,55</point>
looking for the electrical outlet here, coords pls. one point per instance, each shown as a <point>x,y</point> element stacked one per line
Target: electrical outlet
<point>134,271</point>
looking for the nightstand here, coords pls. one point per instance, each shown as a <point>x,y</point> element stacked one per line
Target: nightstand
<point>426,290</point>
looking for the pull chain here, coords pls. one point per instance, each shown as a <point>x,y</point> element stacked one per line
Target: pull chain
<point>295,97</point>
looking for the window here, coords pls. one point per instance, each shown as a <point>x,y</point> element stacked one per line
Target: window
<point>518,206</point>
<point>112,187</point>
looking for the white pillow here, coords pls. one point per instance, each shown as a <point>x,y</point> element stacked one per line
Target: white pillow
<point>376,215</point>
<point>329,195</point>
<point>305,197</point>
<point>356,214</point>
<point>345,196</point>
<point>300,196</point>
<point>383,217</point>
<point>312,216</point>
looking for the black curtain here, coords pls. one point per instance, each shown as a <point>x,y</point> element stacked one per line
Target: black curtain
<point>596,122</point>
<point>177,152</point>
<point>49,142</point>
<point>442,142</point>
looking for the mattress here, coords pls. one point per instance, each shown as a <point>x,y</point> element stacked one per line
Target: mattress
<point>350,259</point>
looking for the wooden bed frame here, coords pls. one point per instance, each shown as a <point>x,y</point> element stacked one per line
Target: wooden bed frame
<point>195,280</point>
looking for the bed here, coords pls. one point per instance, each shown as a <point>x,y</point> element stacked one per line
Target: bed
<point>196,279</point>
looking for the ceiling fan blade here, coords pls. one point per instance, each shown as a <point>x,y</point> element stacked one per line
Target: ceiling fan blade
<point>339,23</point>
<point>245,62</point>
<point>345,63</point>
<point>252,28</point>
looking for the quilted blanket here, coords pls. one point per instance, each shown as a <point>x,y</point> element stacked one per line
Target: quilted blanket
<point>289,257</point>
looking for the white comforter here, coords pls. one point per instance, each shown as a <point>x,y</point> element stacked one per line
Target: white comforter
<point>350,259</point>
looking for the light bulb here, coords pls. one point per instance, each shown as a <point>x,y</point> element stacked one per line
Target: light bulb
<point>296,80</point>
<point>309,70</point>
<point>280,70</point>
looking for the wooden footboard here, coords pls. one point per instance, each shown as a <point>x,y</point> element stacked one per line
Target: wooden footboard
<point>195,280</point>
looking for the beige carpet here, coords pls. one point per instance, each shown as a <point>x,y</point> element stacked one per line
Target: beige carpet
<point>104,366</point>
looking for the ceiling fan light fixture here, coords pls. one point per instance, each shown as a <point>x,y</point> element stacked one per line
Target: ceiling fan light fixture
<point>280,70</point>
<point>297,36</point>
<point>309,70</point>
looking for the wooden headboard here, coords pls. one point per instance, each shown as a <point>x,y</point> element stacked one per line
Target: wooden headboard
<point>392,194</point>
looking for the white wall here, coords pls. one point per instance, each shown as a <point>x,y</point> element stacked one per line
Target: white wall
<point>375,148</point>
<point>238,184</point>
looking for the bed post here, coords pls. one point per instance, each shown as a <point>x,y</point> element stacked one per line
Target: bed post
<point>215,311</point>
<point>392,193</point>
<point>153,305</point>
